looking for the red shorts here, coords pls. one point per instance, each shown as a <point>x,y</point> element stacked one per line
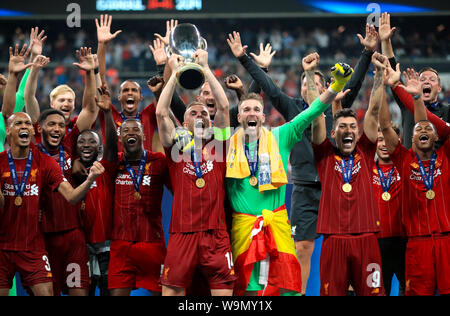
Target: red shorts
<point>135,265</point>
<point>33,266</point>
<point>70,260</point>
<point>209,252</point>
<point>428,265</point>
<point>354,260</point>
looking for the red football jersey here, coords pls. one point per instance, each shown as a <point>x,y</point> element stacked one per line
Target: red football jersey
<point>340,212</point>
<point>19,226</point>
<point>97,214</point>
<point>197,209</point>
<point>138,220</point>
<point>390,211</point>
<point>148,120</point>
<point>420,215</point>
<point>58,214</point>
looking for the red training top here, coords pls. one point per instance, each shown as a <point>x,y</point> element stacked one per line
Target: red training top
<point>390,211</point>
<point>19,225</point>
<point>342,213</point>
<point>197,209</point>
<point>53,220</point>
<point>420,215</point>
<point>138,220</point>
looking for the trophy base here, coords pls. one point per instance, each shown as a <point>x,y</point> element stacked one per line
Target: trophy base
<point>190,76</point>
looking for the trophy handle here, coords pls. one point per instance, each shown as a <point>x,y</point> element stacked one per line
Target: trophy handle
<point>203,44</point>
<point>168,51</point>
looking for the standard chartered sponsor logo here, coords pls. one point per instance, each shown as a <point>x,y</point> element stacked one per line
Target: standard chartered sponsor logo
<point>206,167</point>
<point>125,179</point>
<point>416,176</point>
<point>30,190</point>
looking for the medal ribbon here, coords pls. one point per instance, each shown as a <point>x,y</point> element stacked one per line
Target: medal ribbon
<point>137,178</point>
<point>20,189</point>
<point>62,155</point>
<point>252,163</point>
<point>347,168</point>
<point>385,182</point>
<point>124,118</point>
<point>197,163</point>
<point>428,179</point>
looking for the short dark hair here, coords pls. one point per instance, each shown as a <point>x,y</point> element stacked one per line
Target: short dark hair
<point>129,120</point>
<point>49,112</point>
<point>346,112</point>
<point>251,96</point>
<point>92,132</point>
<point>193,103</point>
<point>316,72</point>
<point>427,121</point>
<point>131,81</point>
<point>432,70</point>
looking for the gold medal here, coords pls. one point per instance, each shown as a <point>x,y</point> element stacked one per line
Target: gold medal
<point>253,181</point>
<point>347,187</point>
<point>137,196</point>
<point>18,201</point>
<point>83,206</point>
<point>386,196</point>
<point>200,183</point>
<point>430,194</point>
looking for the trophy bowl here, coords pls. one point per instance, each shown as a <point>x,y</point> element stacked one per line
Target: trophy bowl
<point>185,40</point>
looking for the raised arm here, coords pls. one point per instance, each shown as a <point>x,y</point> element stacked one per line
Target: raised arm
<point>89,110</point>
<point>234,83</point>
<point>31,103</point>
<point>263,60</point>
<point>103,101</point>
<point>166,126</point>
<point>16,65</point>
<point>222,117</point>
<point>376,97</point>
<point>75,195</point>
<point>310,64</point>
<point>170,25</point>
<point>104,36</point>
<point>159,54</point>
<point>161,42</point>
<point>386,33</point>
<point>390,136</point>
<point>411,96</point>
<point>414,88</point>
<point>341,74</point>
<point>282,102</point>
<point>370,43</point>
<point>36,42</point>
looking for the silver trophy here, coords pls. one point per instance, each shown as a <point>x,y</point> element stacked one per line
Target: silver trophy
<point>184,40</point>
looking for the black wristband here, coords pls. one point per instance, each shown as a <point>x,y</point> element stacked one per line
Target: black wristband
<point>96,70</point>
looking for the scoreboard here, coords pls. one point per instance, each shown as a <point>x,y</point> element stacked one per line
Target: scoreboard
<point>209,8</point>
